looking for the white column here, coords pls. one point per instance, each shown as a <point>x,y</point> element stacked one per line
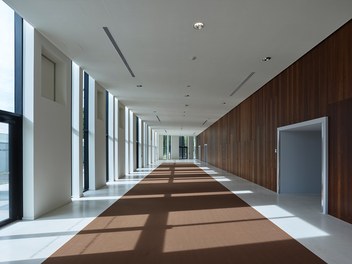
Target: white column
<point>111,137</point>
<point>145,144</point>
<point>140,137</point>
<point>28,121</point>
<point>77,131</point>
<point>121,140</point>
<point>149,145</point>
<point>161,145</point>
<point>127,141</point>
<point>132,141</point>
<point>116,139</point>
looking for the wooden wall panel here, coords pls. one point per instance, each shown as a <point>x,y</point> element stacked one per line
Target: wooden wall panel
<point>340,157</point>
<point>318,84</point>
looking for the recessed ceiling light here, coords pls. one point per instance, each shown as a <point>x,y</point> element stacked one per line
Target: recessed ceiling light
<point>139,85</point>
<point>198,25</point>
<point>265,59</point>
<point>188,86</point>
<point>186,105</point>
<point>187,95</point>
<point>194,58</point>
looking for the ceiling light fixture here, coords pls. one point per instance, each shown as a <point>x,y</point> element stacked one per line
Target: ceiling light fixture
<point>187,95</point>
<point>194,58</point>
<point>265,59</point>
<point>139,85</point>
<point>198,25</point>
<point>242,83</point>
<point>186,105</point>
<point>113,42</point>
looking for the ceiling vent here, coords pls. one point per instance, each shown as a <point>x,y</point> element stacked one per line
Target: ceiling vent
<point>113,42</point>
<point>242,83</point>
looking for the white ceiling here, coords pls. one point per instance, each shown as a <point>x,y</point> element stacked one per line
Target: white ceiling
<point>158,41</point>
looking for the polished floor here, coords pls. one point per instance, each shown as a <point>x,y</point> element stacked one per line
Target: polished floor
<point>299,216</point>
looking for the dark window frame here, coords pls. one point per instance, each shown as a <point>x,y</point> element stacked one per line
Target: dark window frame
<point>86,132</point>
<point>107,134</point>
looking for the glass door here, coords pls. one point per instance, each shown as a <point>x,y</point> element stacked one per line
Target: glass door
<point>4,172</point>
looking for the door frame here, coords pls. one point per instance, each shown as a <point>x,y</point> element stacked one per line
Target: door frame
<point>323,122</point>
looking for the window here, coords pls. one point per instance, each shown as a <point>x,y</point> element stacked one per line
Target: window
<point>4,171</point>
<point>85,139</point>
<point>48,78</point>
<point>183,147</point>
<point>7,55</point>
<point>10,115</point>
<point>166,147</point>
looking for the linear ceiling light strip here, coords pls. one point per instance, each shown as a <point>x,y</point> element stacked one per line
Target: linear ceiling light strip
<point>158,118</point>
<point>107,31</point>
<point>242,83</point>
<point>204,122</point>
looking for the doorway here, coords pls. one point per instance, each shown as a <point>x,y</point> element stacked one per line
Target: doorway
<point>183,147</point>
<point>205,153</point>
<point>302,159</point>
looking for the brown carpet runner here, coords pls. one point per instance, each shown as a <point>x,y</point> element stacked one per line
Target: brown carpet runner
<point>179,214</point>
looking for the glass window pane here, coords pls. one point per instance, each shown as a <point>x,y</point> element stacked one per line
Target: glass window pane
<point>7,61</point>
<point>4,171</point>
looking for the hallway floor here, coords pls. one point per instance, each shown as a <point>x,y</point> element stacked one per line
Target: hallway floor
<point>299,216</point>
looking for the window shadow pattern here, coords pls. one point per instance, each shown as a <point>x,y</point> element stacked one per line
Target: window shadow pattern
<point>179,214</point>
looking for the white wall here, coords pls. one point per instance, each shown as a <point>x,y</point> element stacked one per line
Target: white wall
<point>300,162</point>
<point>116,139</point>
<point>77,131</point>
<point>175,151</point>
<point>191,148</point>
<point>47,130</point>
<point>113,132</point>
<point>161,146</point>
<point>145,144</point>
<point>127,140</point>
<point>132,142</point>
<point>140,146</point>
<point>155,146</point>
<point>121,140</point>
<point>97,135</point>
